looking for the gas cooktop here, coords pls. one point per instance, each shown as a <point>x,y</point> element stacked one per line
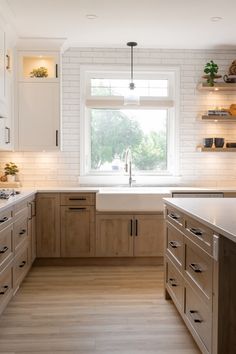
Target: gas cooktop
<point>7,193</point>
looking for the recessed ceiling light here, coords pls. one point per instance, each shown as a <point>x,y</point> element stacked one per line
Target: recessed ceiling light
<point>91,17</point>
<point>216,18</point>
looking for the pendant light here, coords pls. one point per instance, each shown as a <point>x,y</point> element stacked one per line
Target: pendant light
<point>131,98</point>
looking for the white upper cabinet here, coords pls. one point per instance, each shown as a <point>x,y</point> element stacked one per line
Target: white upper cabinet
<point>38,102</point>
<point>39,112</point>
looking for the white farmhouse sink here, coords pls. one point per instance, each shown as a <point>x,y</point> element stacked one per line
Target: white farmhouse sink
<point>131,199</point>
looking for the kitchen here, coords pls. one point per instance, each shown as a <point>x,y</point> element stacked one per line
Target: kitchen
<point>52,156</point>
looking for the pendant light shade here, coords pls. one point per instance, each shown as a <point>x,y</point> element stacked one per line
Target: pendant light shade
<point>131,98</point>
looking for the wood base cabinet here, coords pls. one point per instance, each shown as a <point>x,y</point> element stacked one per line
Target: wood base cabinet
<point>122,235</point>
<point>48,225</point>
<point>200,273</point>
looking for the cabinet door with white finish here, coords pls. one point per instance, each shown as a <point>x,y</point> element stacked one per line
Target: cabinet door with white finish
<point>39,116</point>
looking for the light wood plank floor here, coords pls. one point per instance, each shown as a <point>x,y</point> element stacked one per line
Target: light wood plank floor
<point>90,310</point>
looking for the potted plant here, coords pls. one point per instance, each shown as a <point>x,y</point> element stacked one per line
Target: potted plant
<point>211,70</point>
<point>11,170</point>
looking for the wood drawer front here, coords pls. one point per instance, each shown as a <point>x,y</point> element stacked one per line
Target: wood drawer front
<point>77,199</point>
<point>175,217</point>
<point>199,268</point>
<point>20,232</point>
<point>20,208</point>
<point>200,234</point>
<point>6,287</point>
<point>174,284</point>
<point>199,317</point>
<point>6,217</point>
<point>6,244</point>
<point>175,245</point>
<point>21,266</point>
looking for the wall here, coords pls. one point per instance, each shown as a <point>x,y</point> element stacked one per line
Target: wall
<point>196,168</point>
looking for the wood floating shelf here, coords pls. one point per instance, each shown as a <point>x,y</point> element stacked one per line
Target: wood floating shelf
<point>219,118</point>
<point>201,148</point>
<point>218,87</point>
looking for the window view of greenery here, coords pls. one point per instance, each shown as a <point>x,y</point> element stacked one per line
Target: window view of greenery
<point>113,131</point>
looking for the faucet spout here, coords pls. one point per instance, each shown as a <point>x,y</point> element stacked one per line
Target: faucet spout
<point>128,165</point>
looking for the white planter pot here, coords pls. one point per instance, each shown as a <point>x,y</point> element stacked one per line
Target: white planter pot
<point>11,178</point>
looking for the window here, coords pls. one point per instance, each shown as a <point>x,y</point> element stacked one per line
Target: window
<point>108,127</point>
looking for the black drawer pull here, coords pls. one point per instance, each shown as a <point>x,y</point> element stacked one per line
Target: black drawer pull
<point>172,282</point>
<point>5,218</point>
<point>5,288</point>
<point>79,209</point>
<point>174,216</point>
<point>81,198</point>
<point>4,250</point>
<point>174,244</point>
<point>136,227</point>
<point>195,231</point>
<point>22,232</point>
<point>195,267</point>
<point>23,263</point>
<point>195,316</point>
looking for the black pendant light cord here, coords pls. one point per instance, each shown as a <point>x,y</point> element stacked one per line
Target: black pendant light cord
<point>132,45</point>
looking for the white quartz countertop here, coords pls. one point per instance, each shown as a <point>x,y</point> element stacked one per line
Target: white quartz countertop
<point>217,213</point>
<point>5,203</point>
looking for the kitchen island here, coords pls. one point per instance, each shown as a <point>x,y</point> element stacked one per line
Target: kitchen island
<point>200,269</point>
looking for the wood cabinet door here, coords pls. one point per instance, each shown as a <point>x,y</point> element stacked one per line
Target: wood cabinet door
<point>39,116</point>
<point>48,225</point>
<point>114,236</point>
<point>77,231</point>
<point>149,236</point>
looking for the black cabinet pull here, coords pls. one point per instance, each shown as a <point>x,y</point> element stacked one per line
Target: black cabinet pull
<point>5,288</point>
<point>81,198</point>
<point>8,135</point>
<point>195,316</point>
<point>56,70</point>
<point>195,267</point>
<point>136,227</point>
<point>174,244</point>
<point>131,227</point>
<point>195,231</point>
<point>174,216</point>
<point>4,250</point>
<point>22,232</point>
<point>5,218</point>
<point>172,282</point>
<point>79,209</point>
<point>56,137</point>
<point>23,263</point>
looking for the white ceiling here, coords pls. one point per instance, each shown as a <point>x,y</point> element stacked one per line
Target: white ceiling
<point>152,23</point>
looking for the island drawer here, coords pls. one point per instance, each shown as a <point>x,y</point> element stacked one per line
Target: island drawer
<point>79,199</point>
<point>175,245</point>
<point>175,217</point>
<point>198,316</point>
<point>174,284</point>
<point>6,287</point>
<point>200,234</point>
<point>6,245</point>
<point>20,231</point>
<point>21,266</point>
<point>6,217</point>
<point>199,268</point>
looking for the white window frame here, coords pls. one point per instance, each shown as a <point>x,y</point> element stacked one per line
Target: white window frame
<point>116,102</point>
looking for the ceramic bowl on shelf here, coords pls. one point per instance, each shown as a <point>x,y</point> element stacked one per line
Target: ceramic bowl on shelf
<point>208,142</point>
<point>219,142</point>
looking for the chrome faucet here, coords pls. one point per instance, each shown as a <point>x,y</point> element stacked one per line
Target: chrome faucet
<point>128,165</point>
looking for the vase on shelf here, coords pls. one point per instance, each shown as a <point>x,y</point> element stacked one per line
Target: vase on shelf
<point>11,178</point>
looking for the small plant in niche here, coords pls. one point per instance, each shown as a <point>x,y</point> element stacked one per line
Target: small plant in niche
<point>39,72</point>
<point>11,169</point>
<point>211,70</point>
